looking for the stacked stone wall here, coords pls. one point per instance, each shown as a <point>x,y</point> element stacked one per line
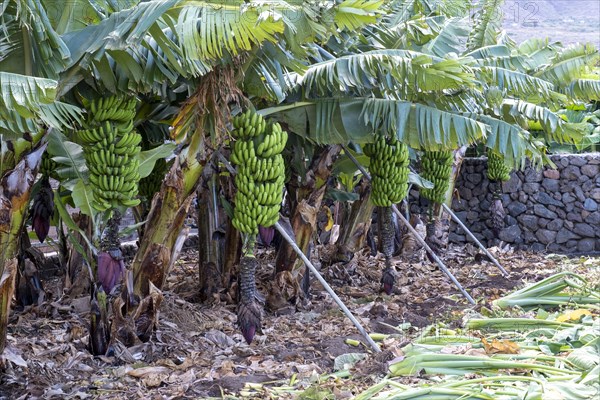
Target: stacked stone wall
<point>554,210</point>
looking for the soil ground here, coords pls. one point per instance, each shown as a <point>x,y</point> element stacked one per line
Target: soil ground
<point>198,352</point>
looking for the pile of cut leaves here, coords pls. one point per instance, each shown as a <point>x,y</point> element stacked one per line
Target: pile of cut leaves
<point>540,342</point>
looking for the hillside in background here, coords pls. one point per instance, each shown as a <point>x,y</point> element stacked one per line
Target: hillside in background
<point>559,20</point>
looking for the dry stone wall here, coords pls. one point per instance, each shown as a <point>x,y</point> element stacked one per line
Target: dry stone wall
<point>554,210</point>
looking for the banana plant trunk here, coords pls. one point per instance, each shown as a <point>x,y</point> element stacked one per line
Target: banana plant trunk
<point>210,252</point>
<point>166,218</point>
<point>304,215</point>
<point>15,191</point>
<point>356,226</point>
<point>231,257</point>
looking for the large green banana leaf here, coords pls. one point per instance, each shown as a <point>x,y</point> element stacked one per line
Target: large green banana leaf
<point>330,121</point>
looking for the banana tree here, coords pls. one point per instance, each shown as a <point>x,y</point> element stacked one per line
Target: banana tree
<point>31,58</point>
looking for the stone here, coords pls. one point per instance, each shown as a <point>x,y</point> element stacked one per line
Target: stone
<point>564,162</point>
<point>531,188</point>
<point>582,179</point>
<point>570,173</point>
<point>588,185</point>
<point>474,178</point>
<point>584,229</point>
<point>546,199</point>
<point>555,248</point>
<point>529,237</point>
<point>576,217</point>
<point>542,211</point>
<point>564,235</point>
<point>562,214</point>
<point>508,220</point>
<point>571,245</point>
<point>510,234</point>
<point>523,197</point>
<point>533,175</point>
<point>538,247</point>
<point>569,225</point>
<point>472,216</point>
<point>459,204</point>
<point>466,193</point>
<point>489,235</point>
<point>543,222</point>
<point>555,225</point>
<point>477,227</point>
<point>515,209</point>
<point>590,205</point>
<point>512,185</point>
<point>528,221</point>
<point>552,174</point>
<point>584,214</point>
<point>578,161</point>
<point>593,218</point>
<point>586,245</point>
<point>462,215</point>
<point>581,196</point>
<point>545,236</point>
<point>454,238</point>
<point>514,196</point>
<point>590,170</point>
<point>550,185</point>
<point>569,207</point>
<point>595,194</point>
<point>485,205</point>
<point>567,198</point>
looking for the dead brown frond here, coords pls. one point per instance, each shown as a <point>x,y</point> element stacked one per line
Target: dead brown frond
<point>209,108</point>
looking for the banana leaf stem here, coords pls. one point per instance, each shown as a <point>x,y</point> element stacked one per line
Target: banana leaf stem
<point>323,282</point>
<point>415,233</point>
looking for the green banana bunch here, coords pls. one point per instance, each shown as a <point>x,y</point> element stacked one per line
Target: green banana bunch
<point>260,171</point>
<point>497,169</point>
<point>111,146</point>
<point>436,167</point>
<point>48,166</point>
<point>389,170</point>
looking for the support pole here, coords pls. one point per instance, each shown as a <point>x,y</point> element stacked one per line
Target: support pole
<point>339,302</point>
<point>415,233</point>
<point>472,236</point>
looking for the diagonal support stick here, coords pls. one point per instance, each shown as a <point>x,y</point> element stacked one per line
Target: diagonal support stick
<point>472,236</point>
<point>323,282</point>
<point>415,233</point>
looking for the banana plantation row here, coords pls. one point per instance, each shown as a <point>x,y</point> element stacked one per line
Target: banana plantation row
<point>250,104</point>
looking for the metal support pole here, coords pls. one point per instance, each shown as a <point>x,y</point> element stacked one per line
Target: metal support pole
<point>472,236</point>
<point>339,302</point>
<point>415,234</point>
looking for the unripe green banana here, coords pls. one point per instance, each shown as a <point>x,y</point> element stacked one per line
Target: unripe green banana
<point>389,170</point>
<point>497,169</point>
<point>436,167</point>
<point>260,171</point>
